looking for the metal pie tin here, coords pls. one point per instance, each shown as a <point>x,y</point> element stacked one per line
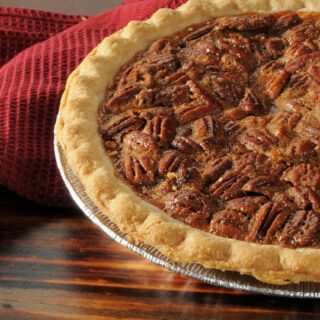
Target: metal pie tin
<point>230,280</point>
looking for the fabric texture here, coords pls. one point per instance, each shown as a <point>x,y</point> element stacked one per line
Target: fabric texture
<point>38,52</point>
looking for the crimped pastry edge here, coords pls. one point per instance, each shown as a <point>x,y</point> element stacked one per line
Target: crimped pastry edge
<point>77,133</point>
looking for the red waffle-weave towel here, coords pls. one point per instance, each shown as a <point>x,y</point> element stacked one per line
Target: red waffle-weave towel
<point>31,84</point>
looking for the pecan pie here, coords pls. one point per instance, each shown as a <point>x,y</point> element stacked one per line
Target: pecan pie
<point>198,132</point>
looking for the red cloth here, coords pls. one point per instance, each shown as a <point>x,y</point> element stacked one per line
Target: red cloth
<point>38,52</point>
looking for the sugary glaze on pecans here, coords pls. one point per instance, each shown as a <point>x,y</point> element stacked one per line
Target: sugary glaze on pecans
<point>219,125</point>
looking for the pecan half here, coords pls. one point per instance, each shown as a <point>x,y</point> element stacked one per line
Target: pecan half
<point>297,87</point>
<point>285,21</point>
<point>268,49</point>
<point>266,185</point>
<point>177,78</point>
<point>233,114</point>
<point>118,103</point>
<point>304,174</point>
<point>162,45</point>
<point>174,165</point>
<point>275,225</point>
<point>228,87</point>
<point>247,205</point>
<point>200,94</point>
<point>189,112</point>
<point>209,134</point>
<point>162,129</point>
<point>297,64</point>
<point>266,222</point>
<point>254,164</point>
<point>161,62</point>
<point>298,49</point>
<point>199,32</point>
<point>205,127</point>
<point>305,197</point>
<point>173,95</point>
<point>301,32</point>
<point>283,123</point>
<point>119,125</point>
<point>190,207</point>
<point>269,81</point>
<point>171,162</point>
<point>255,139</point>
<point>229,185</point>
<point>229,223</point>
<point>301,229</point>
<point>139,156</point>
<point>129,75</point>
<point>140,143</point>
<point>245,22</point>
<point>186,145</point>
<point>217,169</point>
<point>138,170</point>
<point>233,129</point>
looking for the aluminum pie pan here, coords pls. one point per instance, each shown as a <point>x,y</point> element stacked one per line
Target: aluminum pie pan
<point>229,280</point>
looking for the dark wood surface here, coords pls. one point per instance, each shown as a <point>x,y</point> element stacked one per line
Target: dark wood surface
<point>56,264</point>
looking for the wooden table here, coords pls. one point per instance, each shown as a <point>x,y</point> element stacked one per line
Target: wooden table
<point>56,264</point>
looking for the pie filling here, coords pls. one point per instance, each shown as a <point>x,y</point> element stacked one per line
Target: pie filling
<point>219,126</point>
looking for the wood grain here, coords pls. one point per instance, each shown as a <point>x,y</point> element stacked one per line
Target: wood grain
<point>56,264</point>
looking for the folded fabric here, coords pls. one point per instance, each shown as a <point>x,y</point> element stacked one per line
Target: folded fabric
<point>38,52</point>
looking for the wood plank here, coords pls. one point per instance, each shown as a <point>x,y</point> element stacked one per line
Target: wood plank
<point>56,264</point>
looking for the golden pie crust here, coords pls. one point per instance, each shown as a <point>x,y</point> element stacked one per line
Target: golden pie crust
<point>77,133</point>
